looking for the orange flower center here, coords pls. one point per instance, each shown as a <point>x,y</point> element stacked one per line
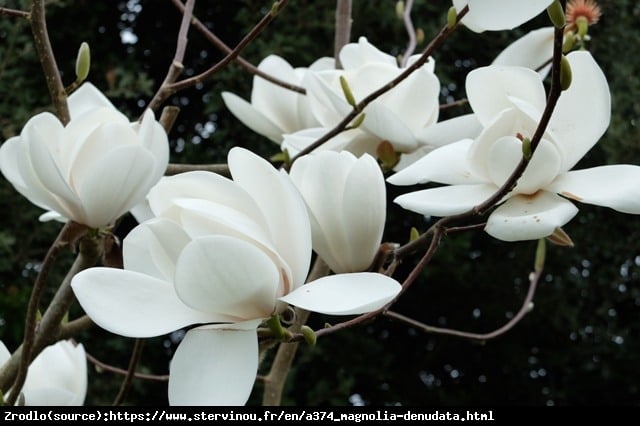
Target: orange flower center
<point>588,9</point>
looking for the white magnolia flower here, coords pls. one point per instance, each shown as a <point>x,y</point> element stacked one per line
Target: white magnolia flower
<point>346,201</point>
<point>57,376</point>
<point>508,101</point>
<point>496,15</point>
<point>275,110</point>
<point>94,169</point>
<point>224,255</point>
<point>396,116</point>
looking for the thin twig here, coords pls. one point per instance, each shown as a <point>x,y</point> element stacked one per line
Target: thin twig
<point>170,88</point>
<point>48,61</point>
<point>223,47</point>
<point>221,169</point>
<point>411,32</point>
<point>13,12</point>
<point>131,371</point>
<point>524,309</point>
<point>444,33</point>
<point>30,326</point>
<point>458,103</point>
<point>106,367</point>
<point>342,34</point>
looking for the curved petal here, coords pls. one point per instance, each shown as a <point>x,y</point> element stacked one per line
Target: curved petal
<point>355,55</point>
<point>489,89</point>
<point>86,98</point>
<point>251,117</point>
<point>583,112</point>
<point>613,186</point>
<point>57,376</point>
<point>447,164</point>
<point>446,200</point>
<point>506,153</point>
<point>153,248</point>
<point>497,15</point>
<point>227,275</point>
<point>529,217</point>
<point>448,131</point>
<point>277,103</point>
<point>364,212</point>
<point>387,125</point>
<point>4,353</point>
<point>345,294</point>
<point>531,51</point>
<point>214,367</point>
<point>153,137</point>
<point>134,305</point>
<point>282,206</point>
<point>104,200</point>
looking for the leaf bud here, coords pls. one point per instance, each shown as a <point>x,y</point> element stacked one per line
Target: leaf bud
<point>83,62</point>
<point>565,73</point>
<point>556,14</point>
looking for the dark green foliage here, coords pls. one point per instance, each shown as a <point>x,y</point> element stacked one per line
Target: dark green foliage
<point>578,346</point>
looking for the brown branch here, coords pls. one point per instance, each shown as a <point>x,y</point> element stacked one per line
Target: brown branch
<point>221,169</point>
<point>48,61</point>
<point>106,367</point>
<point>459,102</point>
<point>131,371</point>
<point>223,47</point>
<point>524,309</point>
<point>444,33</point>
<point>168,89</point>
<point>343,29</point>
<point>13,12</point>
<point>274,381</point>
<point>411,32</point>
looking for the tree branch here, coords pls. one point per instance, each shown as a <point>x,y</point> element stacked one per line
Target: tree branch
<point>13,12</point>
<point>411,32</point>
<point>131,371</point>
<point>343,29</point>
<point>106,367</point>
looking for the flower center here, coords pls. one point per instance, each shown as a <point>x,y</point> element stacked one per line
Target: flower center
<point>587,9</point>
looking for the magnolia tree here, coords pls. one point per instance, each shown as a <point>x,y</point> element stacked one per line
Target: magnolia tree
<point>240,255</point>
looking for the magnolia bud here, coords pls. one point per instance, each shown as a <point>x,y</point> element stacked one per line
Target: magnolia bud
<point>399,9</point>
<point>414,234</point>
<point>387,156</point>
<point>569,41</point>
<point>556,14</point>
<point>541,252</point>
<point>419,35</point>
<point>583,26</point>
<point>308,334</point>
<point>358,121</point>
<point>347,92</point>
<point>526,148</point>
<point>565,73</point>
<point>452,17</point>
<point>83,62</point>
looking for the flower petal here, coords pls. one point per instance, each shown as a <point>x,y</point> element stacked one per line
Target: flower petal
<point>446,200</point>
<point>489,89</point>
<point>531,51</point>
<point>446,164</point>
<point>282,206</point>
<point>583,112</point>
<point>452,130</point>
<point>497,15</point>
<point>355,55</point>
<point>251,117</point>
<point>345,294</point>
<point>214,367</point>
<point>614,186</point>
<point>87,97</point>
<point>227,275</point>
<point>529,217</point>
<point>134,305</point>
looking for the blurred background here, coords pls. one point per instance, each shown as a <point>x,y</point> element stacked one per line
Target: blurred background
<point>579,345</point>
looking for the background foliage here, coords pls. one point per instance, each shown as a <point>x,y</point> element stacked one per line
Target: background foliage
<point>578,346</point>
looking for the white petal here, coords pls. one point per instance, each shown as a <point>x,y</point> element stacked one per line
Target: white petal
<point>86,98</point>
<point>251,117</point>
<point>386,125</point>
<point>153,248</point>
<point>531,51</point>
<point>447,164</point>
<point>153,137</point>
<point>446,200</point>
<point>489,89</point>
<point>134,305</point>
<point>4,353</point>
<point>345,294</point>
<point>452,130</point>
<point>281,205</point>
<point>104,200</point>
<point>354,55</point>
<point>529,217</point>
<point>214,367</point>
<point>227,275</point>
<point>364,212</point>
<point>497,15</point>
<point>583,111</point>
<point>613,186</point>
<point>506,153</point>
